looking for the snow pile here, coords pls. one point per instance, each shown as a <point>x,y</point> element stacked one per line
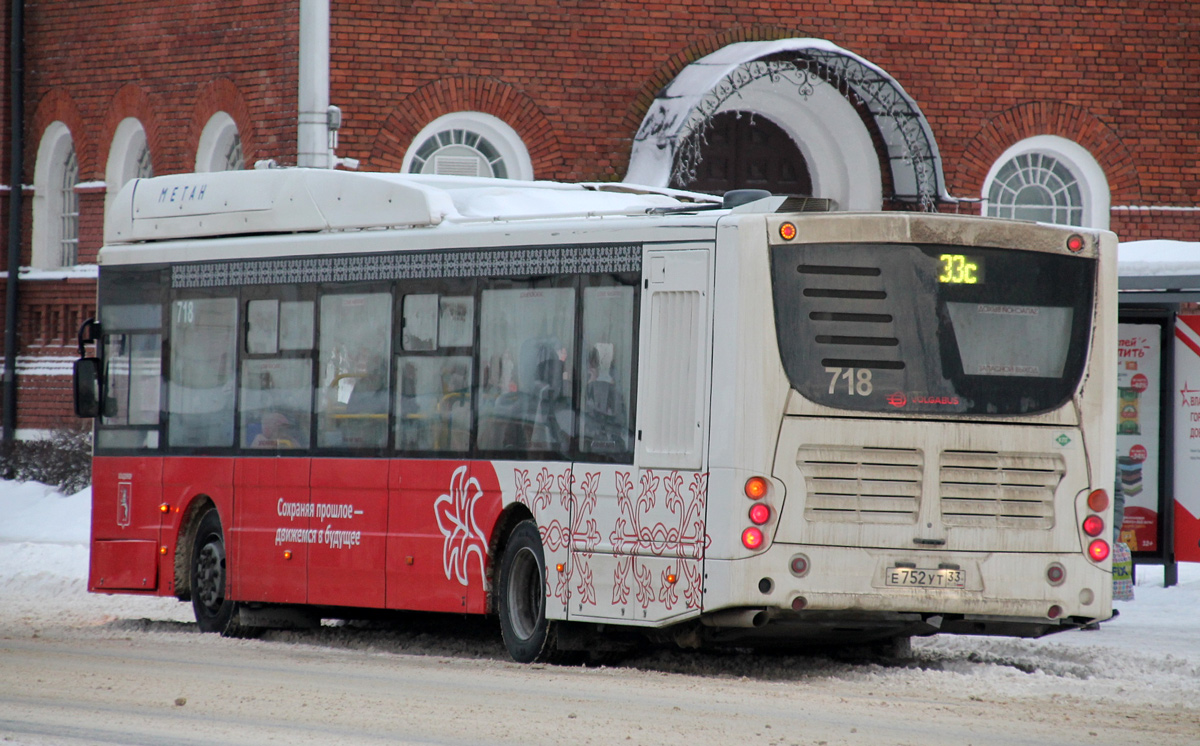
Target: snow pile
<point>44,563</point>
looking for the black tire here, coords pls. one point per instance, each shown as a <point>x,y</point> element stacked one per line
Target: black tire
<point>521,602</point>
<point>209,578</point>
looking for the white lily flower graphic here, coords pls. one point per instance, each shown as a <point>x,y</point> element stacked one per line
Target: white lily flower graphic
<point>455,513</point>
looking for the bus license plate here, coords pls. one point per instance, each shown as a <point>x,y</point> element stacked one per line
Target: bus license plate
<point>914,577</point>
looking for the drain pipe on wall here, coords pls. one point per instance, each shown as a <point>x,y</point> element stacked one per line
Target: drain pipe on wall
<point>17,133</point>
<point>312,132</point>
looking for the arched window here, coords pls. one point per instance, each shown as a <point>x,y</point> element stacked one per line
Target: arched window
<point>55,201</point>
<point>1048,179</point>
<point>128,157</point>
<point>68,239</point>
<point>220,146</point>
<point>469,143</point>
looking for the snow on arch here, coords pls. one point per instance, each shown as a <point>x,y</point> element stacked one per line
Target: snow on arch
<point>715,83</point>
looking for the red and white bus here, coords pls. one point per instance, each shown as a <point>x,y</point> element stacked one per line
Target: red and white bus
<point>597,407</point>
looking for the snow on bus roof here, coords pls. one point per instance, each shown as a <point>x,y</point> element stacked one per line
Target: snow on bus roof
<point>500,199</point>
<point>295,200</point>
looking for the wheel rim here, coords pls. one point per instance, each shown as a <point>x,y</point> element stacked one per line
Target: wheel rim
<point>210,574</point>
<point>525,594</point>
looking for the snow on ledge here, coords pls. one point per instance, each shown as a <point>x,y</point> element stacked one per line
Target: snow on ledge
<point>1158,258</point>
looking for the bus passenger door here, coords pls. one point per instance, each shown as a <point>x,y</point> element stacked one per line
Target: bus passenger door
<point>638,534</point>
<point>271,529</point>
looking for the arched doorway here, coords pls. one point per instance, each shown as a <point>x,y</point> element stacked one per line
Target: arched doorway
<point>741,150</point>
<point>849,119</point>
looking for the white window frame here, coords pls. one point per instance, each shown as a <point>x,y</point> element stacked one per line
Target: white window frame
<point>48,197</point>
<point>1093,184</point>
<point>128,158</point>
<point>219,138</point>
<point>502,137</point>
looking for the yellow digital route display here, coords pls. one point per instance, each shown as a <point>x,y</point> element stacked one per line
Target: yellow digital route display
<point>958,269</point>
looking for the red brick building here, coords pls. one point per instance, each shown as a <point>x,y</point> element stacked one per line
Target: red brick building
<point>1076,111</point>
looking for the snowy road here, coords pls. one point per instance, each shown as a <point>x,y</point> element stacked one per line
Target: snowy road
<point>130,682</point>
<point>77,668</point>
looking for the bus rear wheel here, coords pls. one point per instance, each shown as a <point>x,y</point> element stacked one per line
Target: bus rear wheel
<point>528,635</point>
<point>214,612</point>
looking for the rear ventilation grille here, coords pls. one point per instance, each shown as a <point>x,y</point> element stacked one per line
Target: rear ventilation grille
<point>1002,490</point>
<point>861,485</point>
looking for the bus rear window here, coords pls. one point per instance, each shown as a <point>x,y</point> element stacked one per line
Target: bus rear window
<point>932,329</point>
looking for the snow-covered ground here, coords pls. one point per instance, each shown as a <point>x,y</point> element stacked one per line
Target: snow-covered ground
<point>1149,655</point>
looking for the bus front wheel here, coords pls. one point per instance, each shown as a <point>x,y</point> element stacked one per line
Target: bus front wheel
<point>528,635</point>
<point>214,612</point>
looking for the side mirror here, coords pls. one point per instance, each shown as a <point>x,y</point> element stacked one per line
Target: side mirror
<point>87,387</point>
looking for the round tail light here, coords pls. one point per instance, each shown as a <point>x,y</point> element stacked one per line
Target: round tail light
<point>756,488</point>
<point>1093,525</point>
<point>752,538</point>
<point>1098,550</point>
<point>799,565</point>
<point>1098,500</point>
<point>759,514</point>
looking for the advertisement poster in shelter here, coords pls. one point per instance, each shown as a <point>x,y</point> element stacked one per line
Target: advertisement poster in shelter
<point>1187,438</point>
<point>1139,367</point>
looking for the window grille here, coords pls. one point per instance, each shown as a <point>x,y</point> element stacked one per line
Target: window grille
<point>144,168</point>
<point>1039,187</point>
<point>234,161</point>
<point>69,217</point>
<point>448,151</point>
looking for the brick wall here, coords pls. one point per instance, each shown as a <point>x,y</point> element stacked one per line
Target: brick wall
<point>170,65</point>
<point>575,77</point>
<point>51,313</point>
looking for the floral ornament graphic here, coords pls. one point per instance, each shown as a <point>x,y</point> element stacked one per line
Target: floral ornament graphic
<point>455,513</point>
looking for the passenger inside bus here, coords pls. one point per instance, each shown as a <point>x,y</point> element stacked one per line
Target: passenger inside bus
<point>547,412</point>
<point>603,406</point>
<point>364,420</point>
<point>276,432</point>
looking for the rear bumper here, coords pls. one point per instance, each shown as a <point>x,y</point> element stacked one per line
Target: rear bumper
<point>1003,593</point>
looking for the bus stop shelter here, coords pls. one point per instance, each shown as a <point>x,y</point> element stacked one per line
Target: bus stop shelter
<point>1158,421</point>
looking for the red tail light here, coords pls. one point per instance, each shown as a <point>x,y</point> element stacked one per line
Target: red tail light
<point>759,514</point>
<point>1098,550</point>
<point>1093,525</point>
<point>1098,500</point>
<point>752,538</point>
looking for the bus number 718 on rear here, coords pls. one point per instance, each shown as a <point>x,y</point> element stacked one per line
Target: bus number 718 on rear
<point>856,380</point>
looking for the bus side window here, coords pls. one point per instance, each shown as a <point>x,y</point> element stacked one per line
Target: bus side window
<point>433,396</point>
<point>355,371</point>
<point>133,372</point>
<point>275,404</point>
<point>607,352</point>
<point>527,352</point>
<point>201,393</point>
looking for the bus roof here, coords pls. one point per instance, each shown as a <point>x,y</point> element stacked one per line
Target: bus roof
<point>298,200</point>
